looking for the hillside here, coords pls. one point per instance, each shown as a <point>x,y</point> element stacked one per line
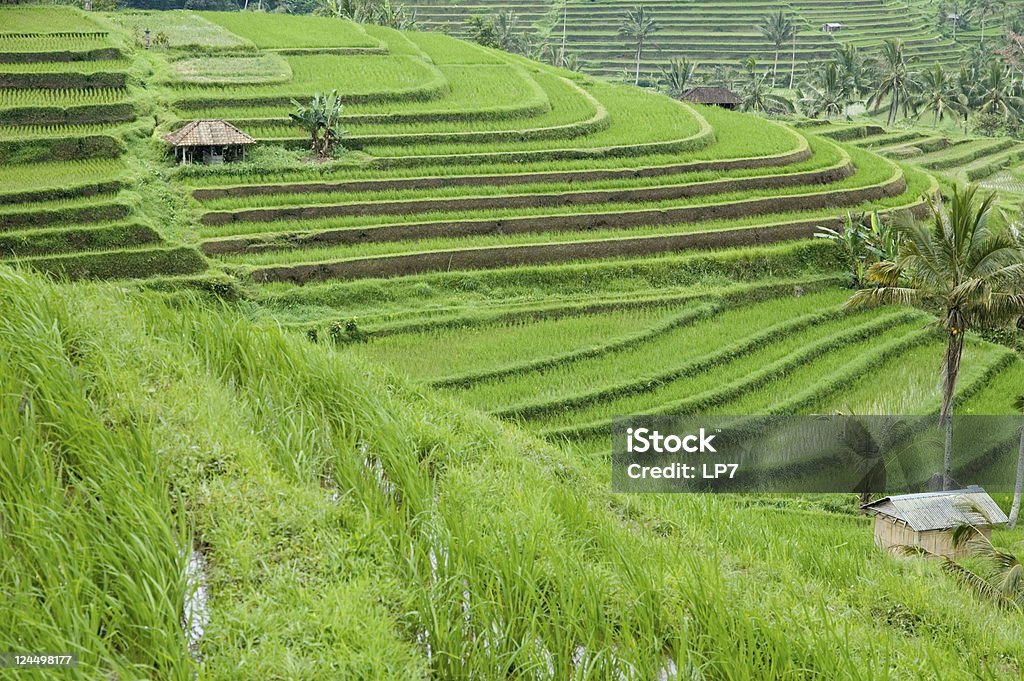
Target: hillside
<point>364,401</point>
<point>348,526</point>
<point>713,33</point>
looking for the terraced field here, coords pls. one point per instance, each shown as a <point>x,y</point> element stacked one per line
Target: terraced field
<point>482,191</point>
<point>581,169</point>
<point>715,33</point>
<point>567,244</point>
<point>990,162</point>
<point>500,238</point>
<point>69,200</point>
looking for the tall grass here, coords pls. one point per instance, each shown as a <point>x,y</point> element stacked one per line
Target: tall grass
<point>350,531</point>
<point>92,560</point>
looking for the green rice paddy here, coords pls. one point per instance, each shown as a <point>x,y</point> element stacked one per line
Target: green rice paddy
<point>362,404</point>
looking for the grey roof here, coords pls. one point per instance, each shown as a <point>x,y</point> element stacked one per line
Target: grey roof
<point>208,133</point>
<point>939,510</point>
<point>711,94</point>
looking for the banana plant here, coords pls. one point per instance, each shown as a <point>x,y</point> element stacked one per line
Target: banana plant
<point>321,120</point>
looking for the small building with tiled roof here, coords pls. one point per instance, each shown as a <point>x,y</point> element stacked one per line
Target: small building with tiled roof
<point>714,95</point>
<point>927,520</point>
<point>208,141</point>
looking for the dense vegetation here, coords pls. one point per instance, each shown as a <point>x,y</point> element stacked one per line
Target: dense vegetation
<point>347,417</point>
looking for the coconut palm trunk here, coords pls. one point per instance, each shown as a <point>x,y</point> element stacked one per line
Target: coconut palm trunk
<point>775,68</point>
<point>951,371</point>
<point>1018,487</point>
<point>955,257</point>
<point>639,56</point>
<point>792,68</point>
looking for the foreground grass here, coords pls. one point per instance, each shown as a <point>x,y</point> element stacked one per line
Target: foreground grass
<point>349,531</point>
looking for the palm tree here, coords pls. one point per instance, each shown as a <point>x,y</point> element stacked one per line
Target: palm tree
<point>779,29</point>
<point>638,25</point>
<point>1018,487</point>
<point>393,16</point>
<point>853,70</point>
<point>939,95</point>
<point>676,78</point>
<point>983,9</point>
<point>1001,577</point>
<point>870,454</point>
<point>956,10</point>
<point>756,94</point>
<point>995,94</point>
<point>897,82</point>
<point>826,94</point>
<point>1003,580</point>
<point>955,264</point>
<point>506,32</point>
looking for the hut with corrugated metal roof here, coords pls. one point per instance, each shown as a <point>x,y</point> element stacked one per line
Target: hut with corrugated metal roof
<point>927,520</point>
<point>209,141</point>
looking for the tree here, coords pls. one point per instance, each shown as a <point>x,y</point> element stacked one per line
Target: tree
<point>481,31</point>
<point>870,454</point>
<point>499,30</point>
<point>380,12</point>
<point>826,94</point>
<point>550,52</point>
<point>863,240</point>
<point>393,16</point>
<point>955,264</point>
<point>853,71</point>
<point>897,82</point>
<point>939,95</point>
<point>638,25</point>
<point>994,93</point>
<point>1018,487</point>
<point>983,9</point>
<point>321,120</point>
<point>677,77</point>
<point>954,13</point>
<point>756,94</point>
<point>1000,578</point>
<point>779,29</point>
<point>354,10</point>
<point>1013,52</point>
<point>507,33</point>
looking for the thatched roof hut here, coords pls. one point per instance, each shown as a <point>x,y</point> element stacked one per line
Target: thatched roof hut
<point>927,520</point>
<point>714,95</point>
<point>209,141</point>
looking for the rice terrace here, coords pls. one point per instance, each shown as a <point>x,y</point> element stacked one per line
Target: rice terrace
<point>330,329</point>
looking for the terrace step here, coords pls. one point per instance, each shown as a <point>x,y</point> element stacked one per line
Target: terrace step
<point>712,398</point>
<point>493,258</point>
<point>543,254</point>
<point>559,222</point>
<point>737,347</point>
<point>511,202</point>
